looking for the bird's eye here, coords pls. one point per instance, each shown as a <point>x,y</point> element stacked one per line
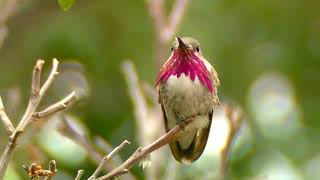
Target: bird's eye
<point>197,49</point>
<point>171,48</point>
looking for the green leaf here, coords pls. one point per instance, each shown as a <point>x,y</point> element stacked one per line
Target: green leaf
<point>66,4</point>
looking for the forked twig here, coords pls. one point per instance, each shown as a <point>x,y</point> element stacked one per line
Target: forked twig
<point>165,28</point>
<point>79,175</point>
<point>36,96</point>
<point>5,119</point>
<point>107,158</point>
<point>140,153</point>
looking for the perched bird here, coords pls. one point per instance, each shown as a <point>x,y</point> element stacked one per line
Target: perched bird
<point>187,85</point>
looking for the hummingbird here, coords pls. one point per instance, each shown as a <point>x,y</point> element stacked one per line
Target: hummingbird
<point>187,85</point>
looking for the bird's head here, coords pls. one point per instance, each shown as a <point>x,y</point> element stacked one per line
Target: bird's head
<point>185,44</point>
<point>186,58</point>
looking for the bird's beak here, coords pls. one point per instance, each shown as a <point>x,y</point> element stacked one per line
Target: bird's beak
<point>182,45</point>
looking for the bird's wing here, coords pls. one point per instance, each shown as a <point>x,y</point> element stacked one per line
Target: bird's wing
<point>196,147</point>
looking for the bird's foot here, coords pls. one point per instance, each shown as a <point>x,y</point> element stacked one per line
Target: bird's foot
<point>180,119</point>
<point>183,120</point>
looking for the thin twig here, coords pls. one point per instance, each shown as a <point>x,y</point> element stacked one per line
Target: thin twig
<point>150,93</point>
<point>121,172</point>
<point>33,102</point>
<point>104,146</point>
<point>83,140</point>
<point>175,19</point>
<point>8,10</point>
<point>5,119</point>
<point>52,168</point>
<point>138,99</point>
<point>36,95</point>
<point>107,158</point>
<point>171,170</point>
<point>140,153</point>
<point>165,28</point>
<point>58,106</point>
<point>157,12</point>
<point>51,77</point>
<point>146,115</point>
<point>79,175</point>
<point>234,117</point>
<point>36,78</point>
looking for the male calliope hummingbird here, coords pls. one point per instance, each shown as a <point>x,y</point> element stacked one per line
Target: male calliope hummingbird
<point>187,85</point>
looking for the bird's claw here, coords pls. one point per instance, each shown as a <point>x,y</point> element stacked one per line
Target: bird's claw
<point>179,119</point>
<point>183,121</point>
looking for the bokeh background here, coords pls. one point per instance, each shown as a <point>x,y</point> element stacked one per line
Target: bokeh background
<point>267,54</point>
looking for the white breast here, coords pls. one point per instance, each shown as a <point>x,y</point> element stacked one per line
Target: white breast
<point>188,99</point>
<point>184,85</point>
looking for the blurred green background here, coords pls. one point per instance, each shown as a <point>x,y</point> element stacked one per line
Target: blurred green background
<point>267,55</point>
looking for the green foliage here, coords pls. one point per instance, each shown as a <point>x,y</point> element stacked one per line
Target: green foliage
<point>66,4</point>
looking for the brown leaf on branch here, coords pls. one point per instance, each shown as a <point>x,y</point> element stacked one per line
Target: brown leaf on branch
<point>35,170</point>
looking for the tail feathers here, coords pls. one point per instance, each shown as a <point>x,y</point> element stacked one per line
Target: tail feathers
<point>195,149</point>
<point>188,154</point>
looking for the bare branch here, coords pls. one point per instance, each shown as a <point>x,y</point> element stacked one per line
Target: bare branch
<point>84,141</point>
<point>146,115</point>
<point>79,175</point>
<point>139,102</point>
<point>175,19</point>
<point>103,145</point>
<point>52,168</point>
<point>108,158</point>
<point>51,77</point>
<point>58,106</point>
<point>35,87</point>
<point>35,99</point>
<point>143,152</point>
<point>165,28</point>
<point>81,139</point>
<point>5,119</point>
<point>234,117</point>
<point>3,33</point>
<point>171,170</point>
<point>8,10</point>
<point>33,104</point>
<point>107,148</point>
<point>150,93</point>
<point>121,172</point>
<point>157,12</point>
